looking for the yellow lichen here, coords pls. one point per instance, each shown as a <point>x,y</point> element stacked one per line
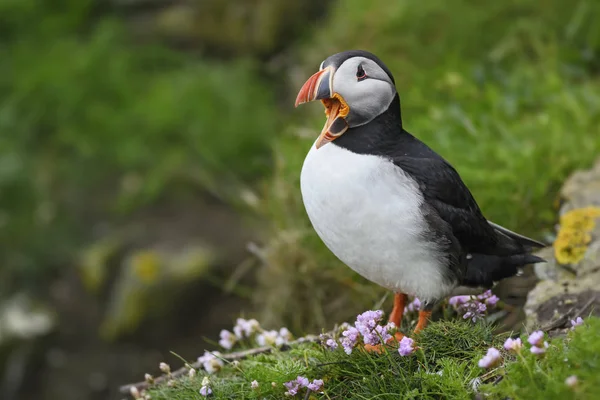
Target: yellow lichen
<point>574,234</point>
<point>146,265</point>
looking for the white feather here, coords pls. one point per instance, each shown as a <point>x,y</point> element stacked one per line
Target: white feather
<point>367,212</point>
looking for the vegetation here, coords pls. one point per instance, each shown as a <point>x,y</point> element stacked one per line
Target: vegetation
<point>94,127</point>
<point>445,366</point>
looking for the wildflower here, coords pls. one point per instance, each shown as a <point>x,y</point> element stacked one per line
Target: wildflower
<point>292,388</point>
<point>316,385</point>
<point>134,392</point>
<point>192,373</point>
<point>474,310</point>
<point>211,362</point>
<point>489,298</point>
<point>406,346</point>
<point>245,328</point>
<point>254,384</point>
<point>164,367</point>
<point>414,305</point>
<point>536,338</point>
<point>491,359</point>
<point>285,335</point>
<point>350,339</point>
<point>227,340</point>
<point>149,378</point>
<point>368,320</point>
<point>267,338</point>
<point>577,322</point>
<point>474,307</point>
<point>571,381</point>
<point>537,349</point>
<point>513,345</point>
<point>332,344</point>
<point>367,324</point>
<point>205,391</point>
<point>456,301</point>
<point>302,381</point>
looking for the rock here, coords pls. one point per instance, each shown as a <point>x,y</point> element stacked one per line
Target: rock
<point>570,281</point>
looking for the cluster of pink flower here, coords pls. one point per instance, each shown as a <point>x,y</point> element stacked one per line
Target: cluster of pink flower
<point>474,307</point>
<point>469,307</point>
<point>535,339</point>
<point>368,330</point>
<point>251,329</point>
<point>293,387</point>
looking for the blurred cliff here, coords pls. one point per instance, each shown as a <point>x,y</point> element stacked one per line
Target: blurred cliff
<point>149,158</point>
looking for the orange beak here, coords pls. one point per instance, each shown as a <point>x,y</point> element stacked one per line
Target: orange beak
<point>319,87</point>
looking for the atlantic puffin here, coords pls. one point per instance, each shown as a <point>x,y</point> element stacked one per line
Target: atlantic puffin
<point>386,204</point>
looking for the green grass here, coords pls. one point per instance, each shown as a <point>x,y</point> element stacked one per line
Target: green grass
<point>445,367</point>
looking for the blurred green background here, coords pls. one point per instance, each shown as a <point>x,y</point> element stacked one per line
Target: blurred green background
<point>150,157</point>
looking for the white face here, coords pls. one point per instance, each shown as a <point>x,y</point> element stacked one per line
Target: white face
<point>365,87</point>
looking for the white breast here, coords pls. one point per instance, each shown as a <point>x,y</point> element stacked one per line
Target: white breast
<point>367,211</point>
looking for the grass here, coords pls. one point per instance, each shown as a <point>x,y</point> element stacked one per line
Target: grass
<point>444,367</point>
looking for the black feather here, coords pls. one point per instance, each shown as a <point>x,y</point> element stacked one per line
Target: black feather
<point>484,270</point>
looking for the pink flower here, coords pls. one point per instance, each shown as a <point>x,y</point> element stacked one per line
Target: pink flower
<point>406,346</point>
<point>536,338</point>
<point>513,345</point>
<point>458,300</point>
<point>254,384</point>
<point>302,381</point>
<point>577,322</point>
<point>571,381</point>
<point>350,339</point>
<point>211,362</point>
<point>227,340</point>
<point>536,349</point>
<point>414,305</point>
<point>205,391</point>
<point>292,388</point>
<point>316,385</point>
<point>491,359</point>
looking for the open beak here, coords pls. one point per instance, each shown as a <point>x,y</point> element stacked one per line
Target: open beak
<point>319,87</point>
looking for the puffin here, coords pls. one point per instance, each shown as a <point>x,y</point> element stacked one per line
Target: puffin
<point>390,207</point>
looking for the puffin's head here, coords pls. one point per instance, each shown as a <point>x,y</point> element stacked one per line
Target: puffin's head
<point>355,87</point>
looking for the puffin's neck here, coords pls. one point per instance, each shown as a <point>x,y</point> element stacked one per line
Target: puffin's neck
<point>380,136</point>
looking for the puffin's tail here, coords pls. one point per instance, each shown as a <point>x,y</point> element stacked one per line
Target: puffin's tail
<point>484,270</point>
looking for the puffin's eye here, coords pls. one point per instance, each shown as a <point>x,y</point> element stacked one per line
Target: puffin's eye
<point>360,73</point>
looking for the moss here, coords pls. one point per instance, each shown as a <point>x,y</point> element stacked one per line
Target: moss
<point>574,235</point>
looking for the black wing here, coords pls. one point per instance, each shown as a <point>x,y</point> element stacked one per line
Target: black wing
<point>445,191</point>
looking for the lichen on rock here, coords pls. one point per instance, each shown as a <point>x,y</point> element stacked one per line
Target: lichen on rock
<point>570,280</point>
<point>574,234</point>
